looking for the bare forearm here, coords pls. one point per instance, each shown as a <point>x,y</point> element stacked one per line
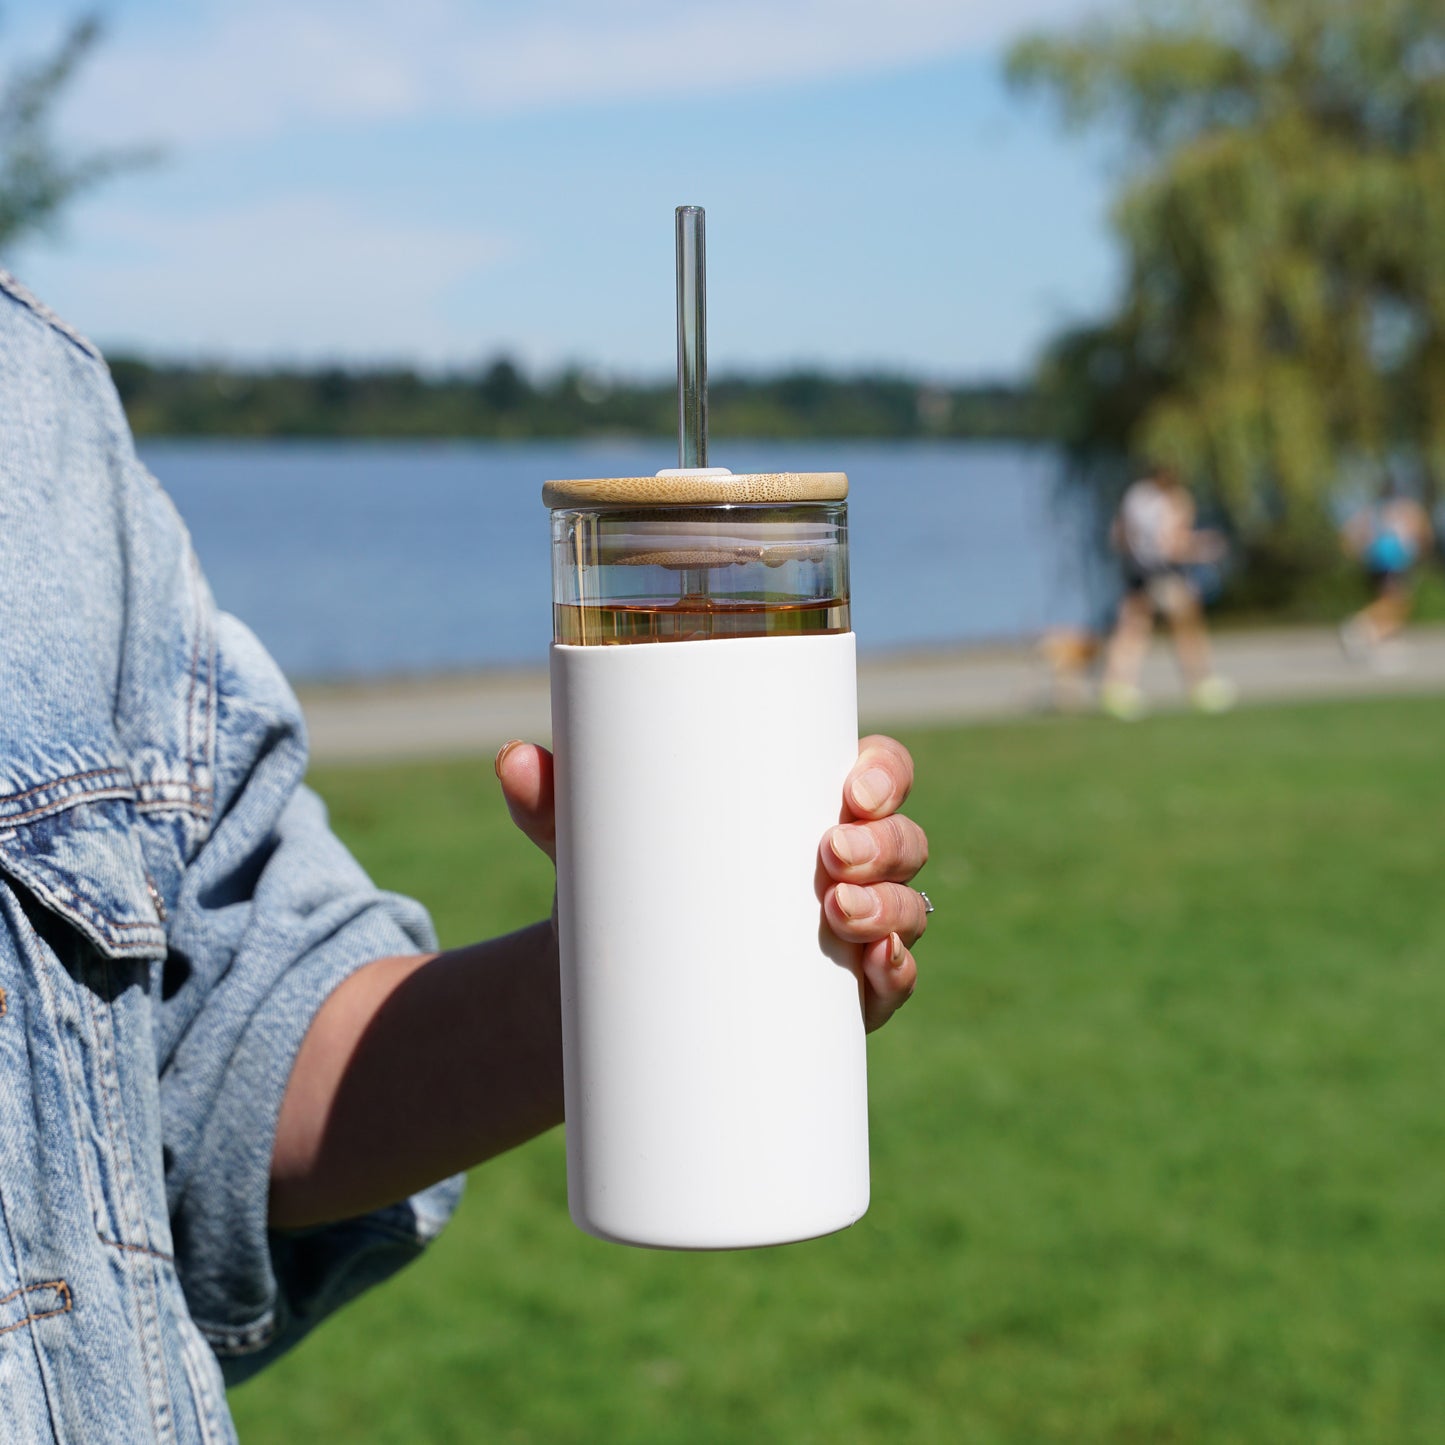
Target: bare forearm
<point>415,1068</point>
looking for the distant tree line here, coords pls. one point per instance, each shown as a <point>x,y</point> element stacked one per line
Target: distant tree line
<point>39,177</point>
<point>500,400</point>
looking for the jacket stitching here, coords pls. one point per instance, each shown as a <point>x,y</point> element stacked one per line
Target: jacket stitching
<point>195,670</point>
<point>195,1356</point>
<point>60,781</point>
<point>72,1086</point>
<point>58,1285</point>
<point>240,1339</point>
<point>200,715</point>
<point>71,800</point>
<point>131,1209</point>
<point>208,743</point>
<point>163,785</point>
<point>199,790</point>
<point>101,1055</point>
<point>68,898</point>
<point>98,1204</point>
<point>37,308</point>
<point>191,711</point>
<point>134,1248</point>
<point>110,1084</point>
<point>57,896</point>
<point>162,806</point>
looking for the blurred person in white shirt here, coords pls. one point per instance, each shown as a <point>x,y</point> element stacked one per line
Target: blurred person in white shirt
<point>1156,537</point>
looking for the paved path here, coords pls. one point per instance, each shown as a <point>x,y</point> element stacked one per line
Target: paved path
<point>450,716</point>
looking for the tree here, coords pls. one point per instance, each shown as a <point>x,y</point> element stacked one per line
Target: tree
<point>1282,322</point>
<point>36,180</point>
<point>503,387</point>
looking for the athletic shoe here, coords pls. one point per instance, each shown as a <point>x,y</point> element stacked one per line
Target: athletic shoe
<point>1122,700</point>
<point>1356,640</point>
<point>1214,694</point>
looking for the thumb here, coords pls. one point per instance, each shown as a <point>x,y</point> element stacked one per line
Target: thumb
<point>525,771</point>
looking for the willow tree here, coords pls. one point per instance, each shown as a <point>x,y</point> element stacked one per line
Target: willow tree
<point>1282,319</point>
<point>37,176</point>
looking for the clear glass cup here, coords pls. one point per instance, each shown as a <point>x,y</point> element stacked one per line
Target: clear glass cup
<point>692,573</point>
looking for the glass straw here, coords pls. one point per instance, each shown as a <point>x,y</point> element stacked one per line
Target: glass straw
<point>691,338</point>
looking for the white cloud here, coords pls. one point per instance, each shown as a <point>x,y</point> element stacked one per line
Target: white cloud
<point>313,276</point>
<point>246,70</point>
<point>301,278</point>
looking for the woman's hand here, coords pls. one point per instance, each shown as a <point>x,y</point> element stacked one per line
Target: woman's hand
<point>865,862</point>
<point>868,860</point>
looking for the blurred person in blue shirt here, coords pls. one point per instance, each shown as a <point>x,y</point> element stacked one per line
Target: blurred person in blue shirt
<point>1388,539</point>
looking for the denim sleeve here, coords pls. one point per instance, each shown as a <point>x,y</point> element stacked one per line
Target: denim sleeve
<point>272,913</point>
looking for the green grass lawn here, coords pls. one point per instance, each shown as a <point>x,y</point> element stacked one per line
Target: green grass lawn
<point>1158,1149</point>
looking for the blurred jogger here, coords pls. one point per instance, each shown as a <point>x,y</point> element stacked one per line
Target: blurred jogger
<point>1388,539</point>
<point>1155,535</point>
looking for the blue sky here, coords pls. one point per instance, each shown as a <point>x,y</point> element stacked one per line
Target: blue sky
<point>443,180</point>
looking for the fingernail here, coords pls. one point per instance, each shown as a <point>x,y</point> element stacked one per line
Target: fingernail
<point>852,845</point>
<point>871,789</point>
<point>895,951</point>
<point>502,755</point>
<point>854,902</point>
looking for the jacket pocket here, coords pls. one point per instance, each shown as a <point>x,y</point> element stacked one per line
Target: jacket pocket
<point>73,843</point>
<point>93,961</point>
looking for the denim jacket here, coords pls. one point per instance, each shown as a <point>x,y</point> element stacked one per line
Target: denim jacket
<point>173,912</point>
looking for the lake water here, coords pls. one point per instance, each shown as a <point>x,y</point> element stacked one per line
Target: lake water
<point>369,559</point>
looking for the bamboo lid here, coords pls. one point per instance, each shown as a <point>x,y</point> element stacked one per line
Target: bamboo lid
<point>698,489</point>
